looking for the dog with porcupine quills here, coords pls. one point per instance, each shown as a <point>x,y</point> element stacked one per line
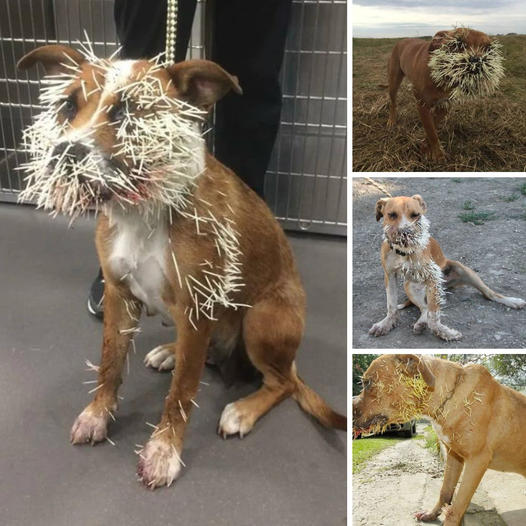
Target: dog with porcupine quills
<point>459,64</point>
<point>179,234</point>
<point>408,251</point>
<point>481,423</point>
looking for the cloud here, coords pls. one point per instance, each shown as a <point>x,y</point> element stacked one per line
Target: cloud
<point>381,18</point>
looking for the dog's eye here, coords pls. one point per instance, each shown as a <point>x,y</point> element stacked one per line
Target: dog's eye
<point>393,215</point>
<point>118,112</point>
<point>68,108</point>
<point>415,215</point>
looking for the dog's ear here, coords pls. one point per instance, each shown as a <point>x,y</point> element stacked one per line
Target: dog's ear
<point>56,59</point>
<point>202,83</point>
<point>380,204</point>
<point>421,202</point>
<point>438,40</point>
<point>414,364</point>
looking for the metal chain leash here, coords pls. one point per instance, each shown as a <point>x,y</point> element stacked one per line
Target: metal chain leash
<point>172,9</point>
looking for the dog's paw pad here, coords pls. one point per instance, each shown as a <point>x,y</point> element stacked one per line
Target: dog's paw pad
<point>159,463</point>
<point>234,421</point>
<point>161,358</point>
<point>89,427</point>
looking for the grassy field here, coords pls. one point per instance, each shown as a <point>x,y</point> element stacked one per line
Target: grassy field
<point>365,448</point>
<point>488,134</point>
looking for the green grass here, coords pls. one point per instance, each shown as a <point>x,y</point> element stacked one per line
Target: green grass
<point>366,448</point>
<point>510,198</point>
<point>431,440</point>
<point>523,189</point>
<point>468,205</point>
<point>456,180</point>
<point>477,218</point>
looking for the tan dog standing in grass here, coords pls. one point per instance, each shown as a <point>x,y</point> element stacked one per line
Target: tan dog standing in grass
<point>481,423</point>
<point>189,241</point>
<point>408,251</point>
<point>411,58</point>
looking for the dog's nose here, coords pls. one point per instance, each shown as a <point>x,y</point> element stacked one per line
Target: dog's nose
<point>68,152</point>
<point>75,151</point>
<point>356,407</point>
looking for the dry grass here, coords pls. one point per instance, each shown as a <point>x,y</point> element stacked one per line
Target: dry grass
<point>488,134</point>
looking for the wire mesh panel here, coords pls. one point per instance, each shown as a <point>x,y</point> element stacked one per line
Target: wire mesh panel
<point>26,24</point>
<point>306,181</point>
<point>306,184</point>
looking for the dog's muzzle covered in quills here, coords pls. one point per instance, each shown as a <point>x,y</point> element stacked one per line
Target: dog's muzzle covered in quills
<point>465,71</point>
<point>153,161</point>
<point>410,237</point>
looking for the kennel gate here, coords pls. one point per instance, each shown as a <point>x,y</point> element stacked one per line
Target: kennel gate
<point>306,180</point>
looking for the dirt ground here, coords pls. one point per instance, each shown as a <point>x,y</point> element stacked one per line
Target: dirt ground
<point>406,478</point>
<point>495,249</point>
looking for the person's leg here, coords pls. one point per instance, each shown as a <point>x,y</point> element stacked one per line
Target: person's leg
<point>141,28</point>
<point>249,42</point>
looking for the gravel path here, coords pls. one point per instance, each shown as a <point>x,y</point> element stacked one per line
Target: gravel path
<point>407,477</point>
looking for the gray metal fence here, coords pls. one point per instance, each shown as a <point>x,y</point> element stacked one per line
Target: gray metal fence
<point>306,179</point>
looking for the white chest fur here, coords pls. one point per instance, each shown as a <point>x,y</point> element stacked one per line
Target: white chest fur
<point>138,258</point>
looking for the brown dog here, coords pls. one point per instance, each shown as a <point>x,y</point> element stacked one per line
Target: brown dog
<point>410,58</point>
<point>408,251</point>
<point>180,234</point>
<point>481,423</point>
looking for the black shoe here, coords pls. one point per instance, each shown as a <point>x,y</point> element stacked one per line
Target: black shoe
<point>96,297</point>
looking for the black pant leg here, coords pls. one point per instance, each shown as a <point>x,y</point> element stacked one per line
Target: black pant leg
<point>249,41</point>
<point>141,27</point>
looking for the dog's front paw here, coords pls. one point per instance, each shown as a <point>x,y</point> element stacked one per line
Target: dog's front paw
<point>432,153</point>
<point>235,420</point>
<point>161,358</point>
<point>90,426</point>
<point>382,327</point>
<point>159,463</point>
<point>445,333</point>
<point>425,516</point>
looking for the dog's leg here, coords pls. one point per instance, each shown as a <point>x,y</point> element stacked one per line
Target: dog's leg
<point>433,316</point>
<point>385,325</point>
<point>439,114</point>
<point>395,76</point>
<point>452,473</point>
<point>458,274</point>
<point>272,353</point>
<point>121,315</point>
<point>416,292</point>
<point>434,152</point>
<point>161,357</point>
<point>474,469</point>
<point>160,460</point>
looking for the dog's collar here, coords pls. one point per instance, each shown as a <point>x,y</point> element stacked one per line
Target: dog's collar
<point>399,252</point>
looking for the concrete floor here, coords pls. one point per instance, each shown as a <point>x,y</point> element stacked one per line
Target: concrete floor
<point>287,471</point>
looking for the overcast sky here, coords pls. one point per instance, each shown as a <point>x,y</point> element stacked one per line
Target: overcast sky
<point>409,18</point>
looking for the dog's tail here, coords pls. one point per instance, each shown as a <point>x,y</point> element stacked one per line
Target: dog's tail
<point>312,403</point>
<point>458,274</point>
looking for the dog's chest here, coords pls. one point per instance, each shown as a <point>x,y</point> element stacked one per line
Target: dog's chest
<point>137,258</point>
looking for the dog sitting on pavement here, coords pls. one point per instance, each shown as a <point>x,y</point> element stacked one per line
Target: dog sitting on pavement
<point>409,251</point>
<point>481,423</point>
<point>179,234</point>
